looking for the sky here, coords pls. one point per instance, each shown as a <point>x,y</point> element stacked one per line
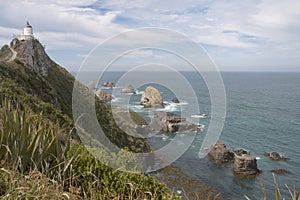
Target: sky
<point>249,35</point>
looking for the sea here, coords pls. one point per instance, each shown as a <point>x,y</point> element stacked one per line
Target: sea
<point>262,115</point>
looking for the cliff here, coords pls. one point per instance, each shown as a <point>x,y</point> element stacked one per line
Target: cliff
<point>29,76</point>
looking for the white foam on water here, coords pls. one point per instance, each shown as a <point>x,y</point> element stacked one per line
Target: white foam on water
<point>139,92</point>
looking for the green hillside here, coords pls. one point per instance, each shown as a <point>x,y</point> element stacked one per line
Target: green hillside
<point>38,139</point>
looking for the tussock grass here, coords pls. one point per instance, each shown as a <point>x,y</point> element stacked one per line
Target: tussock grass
<point>38,162</point>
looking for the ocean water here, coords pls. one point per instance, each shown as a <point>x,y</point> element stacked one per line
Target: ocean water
<point>263,115</point>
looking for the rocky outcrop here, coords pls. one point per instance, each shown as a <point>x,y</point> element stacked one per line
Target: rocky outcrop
<point>275,156</point>
<point>173,123</point>
<point>103,96</point>
<point>282,172</point>
<point>128,89</point>
<point>152,98</point>
<point>175,100</point>
<point>108,84</point>
<point>245,166</point>
<point>164,122</point>
<point>220,154</point>
<point>33,54</point>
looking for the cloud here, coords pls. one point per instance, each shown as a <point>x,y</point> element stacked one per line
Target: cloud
<point>229,29</point>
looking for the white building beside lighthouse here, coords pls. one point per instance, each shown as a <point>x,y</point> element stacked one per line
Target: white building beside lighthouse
<point>27,32</point>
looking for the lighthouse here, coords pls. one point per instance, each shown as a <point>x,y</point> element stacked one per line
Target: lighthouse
<point>27,32</point>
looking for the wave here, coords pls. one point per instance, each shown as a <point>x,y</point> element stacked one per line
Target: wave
<point>139,92</point>
<point>199,116</point>
<point>115,99</point>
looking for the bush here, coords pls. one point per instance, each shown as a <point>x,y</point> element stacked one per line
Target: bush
<point>98,181</point>
<point>28,141</point>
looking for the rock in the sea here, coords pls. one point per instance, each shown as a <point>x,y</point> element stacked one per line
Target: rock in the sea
<point>164,122</point>
<point>275,156</point>
<point>282,172</point>
<point>173,123</point>
<point>245,166</point>
<point>175,100</point>
<point>103,96</point>
<point>241,152</point>
<point>108,84</point>
<point>152,98</point>
<point>220,154</point>
<point>128,89</point>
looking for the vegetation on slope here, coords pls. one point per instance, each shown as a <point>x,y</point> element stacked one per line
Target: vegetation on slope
<point>36,130</point>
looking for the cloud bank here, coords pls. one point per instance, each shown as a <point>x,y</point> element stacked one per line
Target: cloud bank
<point>238,35</point>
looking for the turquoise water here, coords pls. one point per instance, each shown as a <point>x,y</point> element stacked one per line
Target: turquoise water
<point>263,115</point>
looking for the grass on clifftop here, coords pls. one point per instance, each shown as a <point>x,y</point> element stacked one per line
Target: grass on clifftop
<point>36,163</point>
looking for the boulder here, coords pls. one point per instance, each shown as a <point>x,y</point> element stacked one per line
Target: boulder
<point>128,89</point>
<point>245,166</point>
<point>275,156</point>
<point>108,84</point>
<point>151,98</point>
<point>175,100</point>
<point>220,154</point>
<point>103,96</point>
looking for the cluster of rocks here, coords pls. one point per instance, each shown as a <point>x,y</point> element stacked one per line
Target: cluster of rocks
<point>167,122</point>
<point>105,96</point>
<point>108,84</point>
<point>163,122</point>
<point>244,165</point>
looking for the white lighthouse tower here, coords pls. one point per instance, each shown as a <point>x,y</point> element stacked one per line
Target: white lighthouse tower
<point>27,32</point>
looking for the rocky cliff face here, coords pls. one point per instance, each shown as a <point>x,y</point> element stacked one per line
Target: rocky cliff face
<point>33,54</point>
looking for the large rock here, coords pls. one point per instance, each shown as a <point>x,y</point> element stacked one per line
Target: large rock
<point>245,166</point>
<point>220,154</point>
<point>103,96</point>
<point>175,100</point>
<point>164,122</point>
<point>151,98</point>
<point>175,123</point>
<point>128,89</point>
<point>275,156</point>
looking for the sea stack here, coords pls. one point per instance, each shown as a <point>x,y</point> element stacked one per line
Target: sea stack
<point>152,98</point>
<point>128,89</point>
<point>220,154</point>
<point>245,166</point>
